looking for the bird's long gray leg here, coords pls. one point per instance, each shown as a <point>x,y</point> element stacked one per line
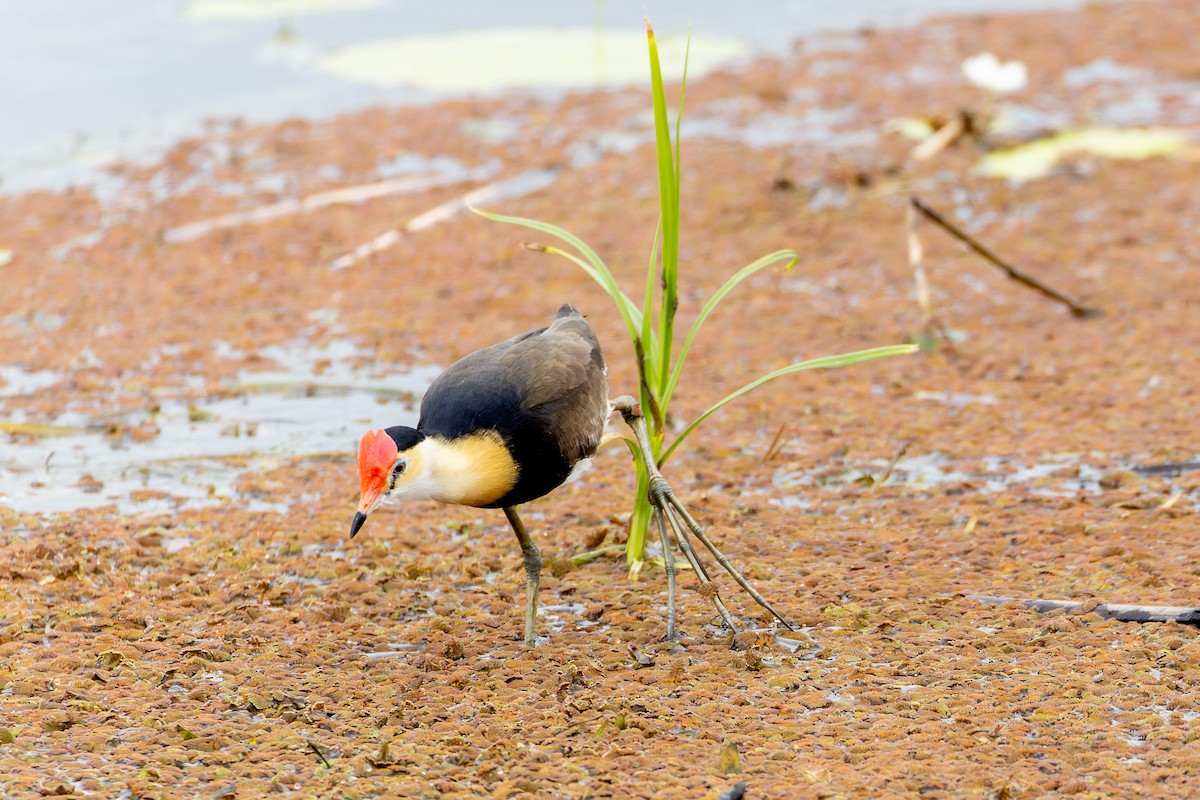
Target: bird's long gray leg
<point>533,570</point>
<point>663,498</point>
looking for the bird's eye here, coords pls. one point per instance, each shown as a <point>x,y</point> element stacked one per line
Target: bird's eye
<point>397,471</point>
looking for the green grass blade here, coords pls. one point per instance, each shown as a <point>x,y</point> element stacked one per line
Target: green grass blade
<point>827,362</point>
<point>590,263</point>
<point>668,193</point>
<point>687,52</point>
<point>639,522</point>
<point>649,364</point>
<point>620,297</point>
<point>731,284</point>
<point>669,371</point>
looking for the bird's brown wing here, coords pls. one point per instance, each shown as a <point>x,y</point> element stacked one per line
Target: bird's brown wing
<point>560,377</point>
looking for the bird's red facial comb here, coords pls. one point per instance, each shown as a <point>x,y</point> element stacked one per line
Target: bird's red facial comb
<point>376,455</point>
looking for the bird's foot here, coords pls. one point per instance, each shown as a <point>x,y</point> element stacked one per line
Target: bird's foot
<point>670,513</point>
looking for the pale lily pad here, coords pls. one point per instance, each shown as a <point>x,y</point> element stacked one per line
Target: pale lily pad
<point>250,10</point>
<point>5,256</point>
<point>1037,158</point>
<point>499,58</point>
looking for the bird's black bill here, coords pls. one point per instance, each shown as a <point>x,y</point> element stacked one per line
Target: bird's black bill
<point>359,519</point>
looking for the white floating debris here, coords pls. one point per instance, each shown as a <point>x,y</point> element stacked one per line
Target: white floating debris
<point>1001,77</point>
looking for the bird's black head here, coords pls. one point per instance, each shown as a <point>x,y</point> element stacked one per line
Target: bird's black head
<point>404,436</point>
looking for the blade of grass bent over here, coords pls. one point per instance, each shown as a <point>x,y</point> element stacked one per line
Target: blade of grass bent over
<point>590,263</point>
<point>729,285</point>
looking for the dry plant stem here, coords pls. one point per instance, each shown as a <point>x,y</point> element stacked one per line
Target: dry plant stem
<point>1121,612</point>
<point>916,260</point>
<point>663,498</point>
<point>941,329</point>
<point>317,750</point>
<point>427,219</point>
<point>1012,272</point>
<point>533,570</point>
<point>942,138</point>
<point>313,202</point>
<point>776,446</point>
<point>590,556</point>
<point>900,451</point>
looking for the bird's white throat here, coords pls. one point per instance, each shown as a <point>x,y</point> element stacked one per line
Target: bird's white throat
<point>473,471</point>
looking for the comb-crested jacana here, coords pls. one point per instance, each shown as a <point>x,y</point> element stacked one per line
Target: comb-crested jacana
<point>511,423</point>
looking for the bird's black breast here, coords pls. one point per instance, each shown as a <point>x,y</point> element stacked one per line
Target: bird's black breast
<point>544,392</point>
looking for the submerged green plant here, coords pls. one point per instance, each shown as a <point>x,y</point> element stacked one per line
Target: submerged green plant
<point>659,367</point>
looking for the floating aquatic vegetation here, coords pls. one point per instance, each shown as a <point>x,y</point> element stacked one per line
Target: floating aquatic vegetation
<point>193,454</point>
<point>1037,158</point>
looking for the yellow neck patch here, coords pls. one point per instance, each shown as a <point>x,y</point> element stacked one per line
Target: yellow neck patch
<point>475,470</point>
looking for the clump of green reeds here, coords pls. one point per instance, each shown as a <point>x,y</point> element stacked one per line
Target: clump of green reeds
<point>651,327</point>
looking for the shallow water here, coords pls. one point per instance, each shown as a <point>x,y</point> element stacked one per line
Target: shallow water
<point>315,405</point>
<point>1043,475</point>
<point>101,82</point>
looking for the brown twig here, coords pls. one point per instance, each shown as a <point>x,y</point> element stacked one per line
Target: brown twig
<point>776,446</point>
<point>900,451</point>
<point>958,126</point>
<point>317,750</point>
<point>1121,612</point>
<point>1009,270</point>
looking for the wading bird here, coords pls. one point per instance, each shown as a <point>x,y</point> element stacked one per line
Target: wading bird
<point>509,424</point>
